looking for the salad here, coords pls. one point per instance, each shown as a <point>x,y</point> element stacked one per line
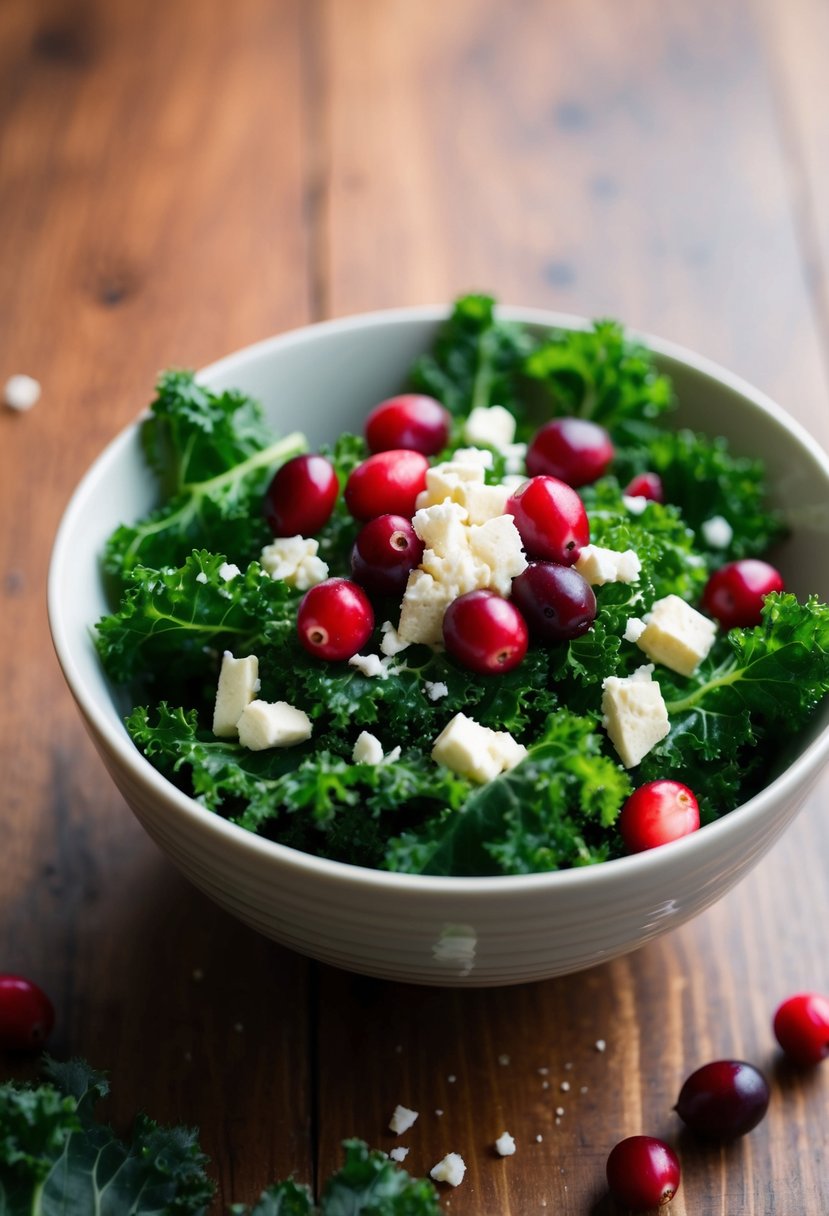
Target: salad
<point>508,628</point>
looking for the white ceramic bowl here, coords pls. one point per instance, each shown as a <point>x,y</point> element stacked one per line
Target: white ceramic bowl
<point>472,931</point>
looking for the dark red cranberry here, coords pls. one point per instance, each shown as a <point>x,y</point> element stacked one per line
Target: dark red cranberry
<point>734,594</point>
<point>657,813</point>
<point>801,1026</point>
<point>646,485</point>
<point>301,496</point>
<point>723,1099</point>
<point>335,619</point>
<point>555,601</point>
<point>26,1014</point>
<point>387,483</point>
<point>642,1173</point>
<point>551,520</point>
<point>485,632</point>
<point>385,552</point>
<point>412,421</point>
<point>572,449</point>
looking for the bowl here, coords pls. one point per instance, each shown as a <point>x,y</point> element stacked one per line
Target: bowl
<point>429,930</point>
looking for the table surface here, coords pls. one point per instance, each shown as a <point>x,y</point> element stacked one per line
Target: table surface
<point>180,179</point>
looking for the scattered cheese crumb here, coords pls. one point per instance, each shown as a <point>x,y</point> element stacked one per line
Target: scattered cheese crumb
<point>228,571</point>
<point>543,1072</point>
<point>599,566</point>
<point>583,1089</point>
<point>481,456</point>
<point>676,635</point>
<point>370,665</point>
<point>635,503</point>
<point>435,689</point>
<point>402,1119</point>
<point>438,1113</point>
<point>201,577</point>
<point>539,1138</point>
<point>600,1045</point>
<point>451,1078</point>
<point>718,532</point>
<point>634,714</point>
<point>476,751</point>
<point>368,749</point>
<point>505,1145</point>
<point>237,687</point>
<point>569,1065</point>
<point>294,559</point>
<point>399,1154</point>
<point>492,425</point>
<point>515,460</point>
<point>391,642</point>
<point>265,724</point>
<point>560,1111</point>
<point>545,1084</point>
<point>451,1169</point>
<point>634,629</point>
<point>21,392</point>
<point>564,1087</point>
<point>503,1061</point>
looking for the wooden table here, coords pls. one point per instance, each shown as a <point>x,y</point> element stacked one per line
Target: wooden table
<point>181,178</point>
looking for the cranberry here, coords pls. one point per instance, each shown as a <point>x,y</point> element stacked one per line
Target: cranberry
<point>557,603</point>
<point>724,1099</point>
<point>646,485</point>
<point>411,421</point>
<point>551,520</point>
<point>301,496</point>
<point>642,1173</point>
<point>572,449</point>
<point>335,619</point>
<point>386,484</point>
<point>657,813</point>
<point>26,1014</point>
<point>734,594</point>
<point>801,1026</point>
<point>485,632</point>
<point>385,552</point>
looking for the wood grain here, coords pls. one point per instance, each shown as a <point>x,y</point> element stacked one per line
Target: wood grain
<point>180,179</point>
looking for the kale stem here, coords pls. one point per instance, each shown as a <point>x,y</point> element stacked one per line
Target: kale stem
<point>483,372</point>
<point>291,445</point>
<point>730,677</point>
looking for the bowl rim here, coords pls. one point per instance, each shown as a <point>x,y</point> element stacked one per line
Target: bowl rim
<point>678,853</point>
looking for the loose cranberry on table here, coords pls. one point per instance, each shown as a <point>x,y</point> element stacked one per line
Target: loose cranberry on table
<point>657,813</point>
<point>642,1173</point>
<point>301,496</point>
<point>646,485</point>
<point>572,449</point>
<point>335,619</point>
<point>723,1099</point>
<point>734,594</point>
<point>387,483</point>
<point>385,552</point>
<point>551,520</point>
<point>801,1027</point>
<point>412,421</point>
<point>485,632</point>
<point>555,601</point>
<point>26,1014</point>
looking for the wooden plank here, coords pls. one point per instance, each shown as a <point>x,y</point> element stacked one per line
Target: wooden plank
<point>153,213</point>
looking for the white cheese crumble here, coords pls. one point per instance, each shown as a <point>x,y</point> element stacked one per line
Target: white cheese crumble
<point>634,503</point>
<point>229,571</point>
<point>718,532</point>
<point>634,629</point>
<point>476,751</point>
<point>402,1119</point>
<point>676,635</point>
<point>399,1154</point>
<point>201,577</point>
<point>370,665</point>
<point>451,1169</point>
<point>21,392</point>
<point>600,1045</point>
<point>481,456</point>
<point>265,724</point>
<point>435,689</point>
<point>635,715</point>
<point>515,459</point>
<point>599,566</point>
<point>391,642</point>
<point>294,559</point>
<point>237,687</point>
<point>368,749</point>
<point>505,1145</point>
<point>491,425</point>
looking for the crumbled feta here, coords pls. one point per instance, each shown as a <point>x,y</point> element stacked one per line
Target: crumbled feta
<point>237,687</point>
<point>402,1119</point>
<point>445,482</point>
<point>201,577</point>
<point>476,751</point>
<point>368,749</point>
<point>599,566</point>
<point>399,1154</point>
<point>21,392</point>
<point>229,571</point>
<point>451,1169</point>
<point>635,715</point>
<point>634,629</point>
<point>505,1145</point>
<point>600,1045</point>
<point>485,502</point>
<point>441,526</point>
<point>370,665</point>
<point>634,503</point>
<point>481,456</point>
<point>491,425</point>
<point>676,635</point>
<point>435,689</point>
<point>515,458</point>
<point>718,532</point>
<point>391,642</point>
<point>497,543</point>
<point>265,724</point>
<point>294,559</point>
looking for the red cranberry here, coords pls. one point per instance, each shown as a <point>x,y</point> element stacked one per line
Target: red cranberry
<point>657,813</point>
<point>388,483</point>
<point>485,632</point>
<point>723,1100</point>
<point>572,449</point>
<point>734,594</point>
<point>551,520</point>
<point>335,619</point>
<point>642,1173</point>
<point>556,602</point>
<point>385,552</point>
<point>801,1026</point>
<point>26,1014</point>
<point>301,496</point>
<point>646,485</point>
<point>412,421</point>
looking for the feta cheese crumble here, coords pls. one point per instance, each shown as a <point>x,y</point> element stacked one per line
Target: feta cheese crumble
<point>599,566</point>
<point>634,629</point>
<point>493,426</point>
<point>505,1145</point>
<point>229,571</point>
<point>21,392</point>
<point>402,1119</point>
<point>368,749</point>
<point>399,1154</point>
<point>294,559</point>
<point>717,532</point>
<point>391,642</point>
<point>370,665</point>
<point>476,751</point>
<point>451,1169</point>
<point>635,715</point>
<point>238,685</point>
<point>676,635</point>
<point>435,689</point>
<point>265,724</point>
